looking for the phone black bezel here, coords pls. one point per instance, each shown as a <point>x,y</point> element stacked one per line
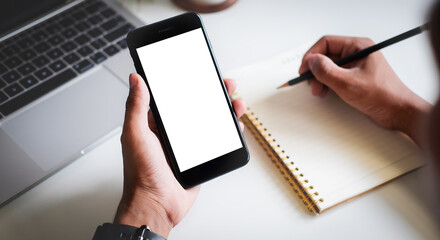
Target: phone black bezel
<point>160,31</point>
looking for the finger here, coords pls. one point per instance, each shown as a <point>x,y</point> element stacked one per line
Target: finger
<point>326,45</point>
<point>305,67</point>
<point>239,107</point>
<point>356,45</point>
<point>316,87</point>
<point>324,92</point>
<point>136,106</point>
<point>337,46</point>
<point>241,126</point>
<point>332,45</point>
<point>327,72</point>
<point>230,85</point>
<point>193,192</point>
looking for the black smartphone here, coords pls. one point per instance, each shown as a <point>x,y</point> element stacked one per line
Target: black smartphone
<point>196,121</point>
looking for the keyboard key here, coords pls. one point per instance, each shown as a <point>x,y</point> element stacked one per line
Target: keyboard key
<point>40,61</point>
<point>113,23</point>
<point>25,42</point>
<point>57,66</point>
<point>39,35</point>
<point>66,21</point>
<point>82,39</point>
<point>95,19</point>
<point>11,76</point>
<point>111,50</point>
<point>13,90</point>
<point>85,50</point>
<point>55,40</point>
<point>55,53</point>
<point>13,62</point>
<point>108,12</point>
<point>83,66</point>
<point>53,28</point>
<point>36,92</point>
<point>95,32</point>
<point>42,47</point>
<point>119,32</point>
<point>2,84</point>
<point>28,54</point>
<point>28,81</point>
<point>3,69</point>
<point>82,26</point>
<point>68,46</point>
<point>26,68</point>
<point>98,57</point>
<point>10,50</point>
<point>3,97</point>
<point>69,33</point>
<point>36,29</point>
<point>122,43</point>
<point>71,58</point>
<point>79,15</point>
<point>43,73</point>
<point>98,43</point>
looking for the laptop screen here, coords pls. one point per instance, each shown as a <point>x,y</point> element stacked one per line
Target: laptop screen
<point>16,13</point>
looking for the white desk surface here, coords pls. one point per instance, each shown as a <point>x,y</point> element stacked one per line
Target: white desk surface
<point>255,202</point>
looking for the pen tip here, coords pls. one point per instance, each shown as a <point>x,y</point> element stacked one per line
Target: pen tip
<point>284,85</point>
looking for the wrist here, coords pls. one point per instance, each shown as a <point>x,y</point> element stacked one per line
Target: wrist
<point>409,117</point>
<point>137,210</point>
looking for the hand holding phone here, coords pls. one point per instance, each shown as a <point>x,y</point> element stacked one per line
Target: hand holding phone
<point>175,59</point>
<point>151,194</point>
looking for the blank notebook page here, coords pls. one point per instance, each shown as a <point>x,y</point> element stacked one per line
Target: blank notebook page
<point>341,152</point>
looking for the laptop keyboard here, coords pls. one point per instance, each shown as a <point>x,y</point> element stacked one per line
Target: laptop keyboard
<point>57,50</point>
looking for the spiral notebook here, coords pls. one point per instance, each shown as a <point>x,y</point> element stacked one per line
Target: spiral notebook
<point>326,150</point>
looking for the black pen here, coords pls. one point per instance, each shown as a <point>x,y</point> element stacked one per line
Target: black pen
<point>362,53</point>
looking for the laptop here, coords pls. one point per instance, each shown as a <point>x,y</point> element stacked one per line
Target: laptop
<point>63,84</point>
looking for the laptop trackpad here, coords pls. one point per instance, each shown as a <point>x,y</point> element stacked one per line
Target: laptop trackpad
<point>57,129</point>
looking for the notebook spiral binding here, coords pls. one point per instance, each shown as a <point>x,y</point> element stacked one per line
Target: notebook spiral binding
<point>287,167</point>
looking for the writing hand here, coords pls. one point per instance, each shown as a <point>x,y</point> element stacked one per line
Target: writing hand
<point>369,84</point>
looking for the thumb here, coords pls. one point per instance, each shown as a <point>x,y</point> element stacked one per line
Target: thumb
<point>325,70</point>
<point>137,104</point>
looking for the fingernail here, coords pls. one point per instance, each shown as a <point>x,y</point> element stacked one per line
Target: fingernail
<point>132,80</point>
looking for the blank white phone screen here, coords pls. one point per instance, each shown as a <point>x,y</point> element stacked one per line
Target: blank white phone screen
<point>189,98</point>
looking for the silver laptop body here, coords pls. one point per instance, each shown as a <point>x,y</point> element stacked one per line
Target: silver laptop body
<point>42,132</point>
